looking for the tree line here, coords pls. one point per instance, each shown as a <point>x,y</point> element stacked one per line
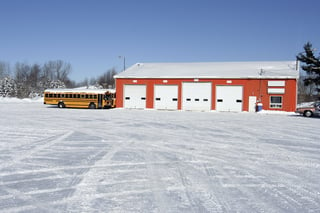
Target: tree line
<point>30,80</point>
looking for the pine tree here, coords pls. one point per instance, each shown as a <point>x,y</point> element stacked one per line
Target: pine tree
<point>311,65</point>
<point>8,87</point>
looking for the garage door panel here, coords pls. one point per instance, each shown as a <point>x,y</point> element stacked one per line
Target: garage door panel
<point>166,97</point>
<point>196,96</point>
<point>229,98</point>
<point>135,96</point>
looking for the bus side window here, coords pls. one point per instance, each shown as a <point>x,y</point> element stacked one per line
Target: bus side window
<point>50,95</point>
<point>87,96</point>
<point>46,95</point>
<point>59,95</point>
<point>90,96</point>
<point>95,96</point>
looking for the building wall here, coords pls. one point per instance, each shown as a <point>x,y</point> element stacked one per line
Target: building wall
<point>251,87</point>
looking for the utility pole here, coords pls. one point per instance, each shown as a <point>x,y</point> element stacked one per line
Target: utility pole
<point>124,62</point>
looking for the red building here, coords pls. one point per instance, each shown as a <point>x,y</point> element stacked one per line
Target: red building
<point>221,86</point>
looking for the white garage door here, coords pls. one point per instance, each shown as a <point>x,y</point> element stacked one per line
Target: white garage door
<point>196,96</point>
<point>166,97</point>
<point>229,98</point>
<point>135,96</point>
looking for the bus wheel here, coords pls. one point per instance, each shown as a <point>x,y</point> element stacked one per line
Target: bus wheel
<point>61,105</point>
<point>92,106</point>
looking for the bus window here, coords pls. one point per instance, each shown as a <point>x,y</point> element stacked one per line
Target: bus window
<point>87,96</point>
<point>95,96</point>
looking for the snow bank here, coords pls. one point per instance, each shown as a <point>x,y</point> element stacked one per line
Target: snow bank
<point>18,100</point>
<point>276,112</point>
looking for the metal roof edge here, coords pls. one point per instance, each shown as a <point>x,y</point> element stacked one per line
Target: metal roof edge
<point>207,77</point>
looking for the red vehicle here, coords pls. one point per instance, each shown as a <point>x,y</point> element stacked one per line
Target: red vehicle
<point>309,109</point>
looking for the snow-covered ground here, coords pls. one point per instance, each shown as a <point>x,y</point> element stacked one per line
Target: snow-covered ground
<point>74,160</point>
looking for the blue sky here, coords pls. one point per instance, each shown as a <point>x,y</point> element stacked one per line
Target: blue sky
<point>91,34</point>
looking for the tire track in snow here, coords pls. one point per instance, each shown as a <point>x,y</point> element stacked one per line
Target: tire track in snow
<point>26,200</point>
<point>86,189</point>
<point>60,176</point>
<point>290,195</point>
<point>282,176</point>
<point>280,188</point>
<point>155,183</point>
<point>19,194</point>
<point>305,197</point>
<point>28,153</point>
<point>247,193</point>
<point>193,183</point>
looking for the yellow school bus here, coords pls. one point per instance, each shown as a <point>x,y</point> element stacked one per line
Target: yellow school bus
<point>81,98</point>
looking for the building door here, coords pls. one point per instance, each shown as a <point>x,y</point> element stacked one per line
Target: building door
<point>196,96</point>
<point>166,97</point>
<point>252,103</point>
<point>229,98</point>
<point>135,96</point>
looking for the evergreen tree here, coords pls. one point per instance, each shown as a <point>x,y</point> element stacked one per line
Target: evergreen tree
<point>8,87</point>
<point>311,64</point>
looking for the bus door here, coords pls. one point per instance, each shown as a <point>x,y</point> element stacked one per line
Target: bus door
<point>100,99</point>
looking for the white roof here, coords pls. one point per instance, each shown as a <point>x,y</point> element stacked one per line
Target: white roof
<point>89,91</point>
<point>266,69</point>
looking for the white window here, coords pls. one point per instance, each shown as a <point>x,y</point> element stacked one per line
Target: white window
<point>276,102</point>
<point>276,83</point>
<point>276,90</point>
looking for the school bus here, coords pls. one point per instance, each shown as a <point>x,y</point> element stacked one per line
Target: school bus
<point>80,98</point>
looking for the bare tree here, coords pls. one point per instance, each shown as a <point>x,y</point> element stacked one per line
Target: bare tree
<point>22,72</point>
<point>4,69</point>
<point>106,79</point>
<point>34,76</point>
<point>57,70</point>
